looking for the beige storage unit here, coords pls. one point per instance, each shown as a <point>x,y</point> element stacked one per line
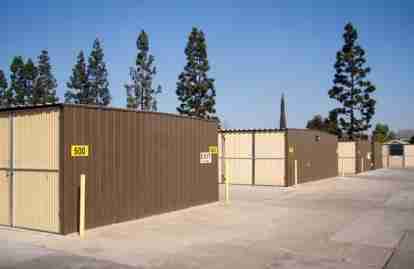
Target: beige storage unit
<point>270,158</point>
<point>346,158</point>
<point>409,156</point>
<point>252,157</point>
<point>5,186</point>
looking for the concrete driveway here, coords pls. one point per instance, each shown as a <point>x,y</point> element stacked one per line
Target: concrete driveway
<point>353,222</point>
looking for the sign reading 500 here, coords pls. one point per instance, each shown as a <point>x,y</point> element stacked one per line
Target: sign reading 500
<point>79,150</point>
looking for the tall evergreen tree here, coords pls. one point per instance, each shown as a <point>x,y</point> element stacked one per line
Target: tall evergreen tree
<point>45,88</point>
<point>140,93</point>
<point>78,92</point>
<point>3,90</point>
<point>351,89</point>
<point>17,91</point>
<point>98,76</point>
<point>30,75</point>
<point>195,90</point>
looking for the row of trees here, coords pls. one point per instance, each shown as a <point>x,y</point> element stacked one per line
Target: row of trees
<point>351,89</point>
<point>29,84</point>
<point>32,84</point>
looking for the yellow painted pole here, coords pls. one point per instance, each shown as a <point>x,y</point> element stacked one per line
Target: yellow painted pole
<point>343,167</point>
<point>82,206</point>
<point>227,192</point>
<point>296,172</point>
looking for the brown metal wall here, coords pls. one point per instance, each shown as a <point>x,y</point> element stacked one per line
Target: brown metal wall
<point>140,164</point>
<point>363,161</point>
<point>377,155</point>
<point>316,159</point>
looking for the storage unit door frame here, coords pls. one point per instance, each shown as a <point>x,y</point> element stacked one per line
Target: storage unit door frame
<point>5,171</point>
<point>33,175</point>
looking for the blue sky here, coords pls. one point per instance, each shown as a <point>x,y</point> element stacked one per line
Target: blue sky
<point>257,49</point>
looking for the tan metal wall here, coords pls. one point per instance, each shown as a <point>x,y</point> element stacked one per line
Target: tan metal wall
<point>409,156</point>
<point>237,157</point>
<point>4,141</point>
<point>36,164</point>
<point>346,158</point>
<point>37,200</point>
<point>4,198</point>
<point>37,140</point>
<point>270,158</point>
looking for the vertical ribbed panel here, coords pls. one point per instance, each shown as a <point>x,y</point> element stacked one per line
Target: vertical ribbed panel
<point>37,140</point>
<point>36,181</point>
<point>346,158</point>
<point>37,200</point>
<point>4,198</point>
<point>270,158</point>
<point>409,156</point>
<point>4,141</point>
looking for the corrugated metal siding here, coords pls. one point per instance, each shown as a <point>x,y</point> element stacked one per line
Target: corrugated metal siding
<point>316,159</point>
<point>36,179</point>
<point>377,155</point>
<point>4,165</point>
<point>37,140</point>
<point>237,157</point>
<point>37,200</point>
<point>409,156</point>
<point>346,158</point>
<point>4,141</point>
<point>270,158</point>
<point>4,198</point>
<point>140,164</point>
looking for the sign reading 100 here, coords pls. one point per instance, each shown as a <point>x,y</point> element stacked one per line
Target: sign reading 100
<point>79,150</point>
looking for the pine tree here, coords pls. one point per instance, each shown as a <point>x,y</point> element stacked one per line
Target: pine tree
<point>17,91</point>
<point>78,92</point>
<point>98,76</point>
<point>45,88</point>
<point>140,93</point>
<point>30,73</point>
<point>195,90</point>
<point>351,89</point>
<point>3,90</point>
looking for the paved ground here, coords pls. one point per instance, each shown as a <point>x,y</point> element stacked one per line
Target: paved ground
<point>354,222</point>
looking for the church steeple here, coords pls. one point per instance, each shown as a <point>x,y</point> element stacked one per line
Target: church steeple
<point>283,117</point>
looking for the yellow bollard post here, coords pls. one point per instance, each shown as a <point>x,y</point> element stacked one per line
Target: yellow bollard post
<point>226,186</point>
<point>82,206</point>
<point>296,172</point>
<point>343,167</point>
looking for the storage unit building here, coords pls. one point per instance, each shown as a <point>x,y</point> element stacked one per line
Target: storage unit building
<point>355,157</point>
<point>136,164</point>
<point>276,157</point>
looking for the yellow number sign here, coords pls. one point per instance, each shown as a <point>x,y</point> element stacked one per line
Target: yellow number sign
<point>79,150</point>
<point>213,149</point>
